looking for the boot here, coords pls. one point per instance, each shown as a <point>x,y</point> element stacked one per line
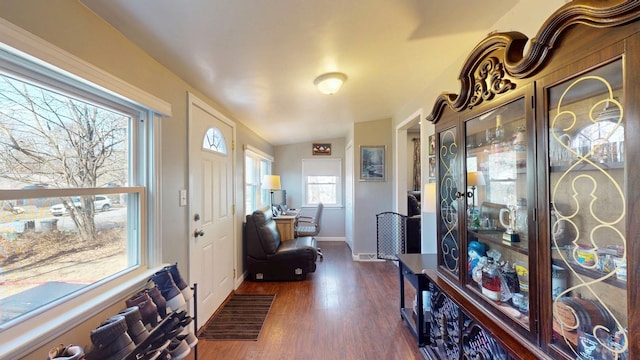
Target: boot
<point>180,283</point>
<point>169,290</point>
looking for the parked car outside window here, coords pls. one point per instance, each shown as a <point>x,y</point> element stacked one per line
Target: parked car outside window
<point>101,203</point>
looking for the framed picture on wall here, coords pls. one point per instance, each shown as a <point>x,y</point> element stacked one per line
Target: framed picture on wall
<point>321,149</point>
<point>432,167</point>
<point>372,163</point>
<point>432,144</point>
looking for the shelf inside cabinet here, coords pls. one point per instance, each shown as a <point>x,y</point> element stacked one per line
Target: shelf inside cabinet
<point>612,280</point>
<point>495,237</point>
<point>504,308</point>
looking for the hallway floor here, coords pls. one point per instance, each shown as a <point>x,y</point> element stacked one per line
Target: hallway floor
<point>345,310</point>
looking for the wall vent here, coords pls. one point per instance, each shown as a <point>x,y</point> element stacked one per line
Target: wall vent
<point>367,257</point>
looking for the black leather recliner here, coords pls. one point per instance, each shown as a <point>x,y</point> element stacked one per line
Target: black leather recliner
<point>269,258</point>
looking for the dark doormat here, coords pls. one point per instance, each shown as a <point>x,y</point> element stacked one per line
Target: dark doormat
<point>241,318</point>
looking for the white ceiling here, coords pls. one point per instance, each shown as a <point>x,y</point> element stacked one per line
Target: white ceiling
<point>258,58</point>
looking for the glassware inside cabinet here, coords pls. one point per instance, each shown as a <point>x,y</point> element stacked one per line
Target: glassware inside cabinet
<point>587,214</point>
<point>497,213</point>
<point>496,158</point>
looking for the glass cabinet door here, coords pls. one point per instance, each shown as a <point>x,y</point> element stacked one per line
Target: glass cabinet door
<point>448,176</point>
<point>497,213</point>
<point>587,212</point>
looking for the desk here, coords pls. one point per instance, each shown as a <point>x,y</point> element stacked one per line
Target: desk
<point>411,266</point>
<point>286,224</point>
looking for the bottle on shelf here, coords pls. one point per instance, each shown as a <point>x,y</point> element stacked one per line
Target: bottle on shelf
<point>491,280</point>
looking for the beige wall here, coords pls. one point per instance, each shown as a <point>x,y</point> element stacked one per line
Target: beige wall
<point>372,197</point>
<point>70,26</point>
<point>526,17</point>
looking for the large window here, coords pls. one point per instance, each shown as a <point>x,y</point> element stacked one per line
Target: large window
<point>73,172</point>
<point>322,181</point>
<point>256,165</point>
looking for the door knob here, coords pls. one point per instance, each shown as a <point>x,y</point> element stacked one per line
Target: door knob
<point>197,233</point>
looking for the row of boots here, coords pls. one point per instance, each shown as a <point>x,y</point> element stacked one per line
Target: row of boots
<point>169,292</point>
<point>153,326</point>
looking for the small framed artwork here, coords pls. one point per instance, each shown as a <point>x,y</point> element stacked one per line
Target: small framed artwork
<point>372,163</point>
<point>321,149</point>
<point>432,144</point>
<point>432,166</point>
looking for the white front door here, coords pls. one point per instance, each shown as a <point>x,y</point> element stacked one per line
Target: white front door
<point>211,247</point>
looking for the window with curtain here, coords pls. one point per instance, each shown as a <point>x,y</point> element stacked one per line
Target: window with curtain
<point>256,165</point>
<point>322,181</point>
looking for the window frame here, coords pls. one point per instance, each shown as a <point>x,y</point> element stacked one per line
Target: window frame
<point>259,157</point>
<point>33,58</point>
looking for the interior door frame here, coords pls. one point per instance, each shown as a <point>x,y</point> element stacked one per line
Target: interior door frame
<point>193,100</point>
<point>401,164</point>
<point>349,194</point>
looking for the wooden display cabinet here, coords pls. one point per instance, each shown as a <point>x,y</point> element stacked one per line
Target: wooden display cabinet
<point>536,159</point>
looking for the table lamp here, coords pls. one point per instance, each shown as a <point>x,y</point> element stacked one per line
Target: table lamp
<point>271,182</point>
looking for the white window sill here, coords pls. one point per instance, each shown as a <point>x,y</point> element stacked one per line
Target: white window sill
<point>26,336</point>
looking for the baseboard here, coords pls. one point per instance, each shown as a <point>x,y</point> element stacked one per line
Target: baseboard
<point>240,280</point>
<point>329,238</point>
<point>356,257</point>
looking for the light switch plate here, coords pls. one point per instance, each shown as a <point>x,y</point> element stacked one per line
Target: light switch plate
<point>183,197</point>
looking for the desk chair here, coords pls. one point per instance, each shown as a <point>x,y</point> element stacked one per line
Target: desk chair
<point>310,226</point>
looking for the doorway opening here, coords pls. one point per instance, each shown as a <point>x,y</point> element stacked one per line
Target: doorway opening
<point>408,162</point>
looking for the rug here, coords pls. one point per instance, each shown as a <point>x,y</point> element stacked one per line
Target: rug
<point>241,318</point>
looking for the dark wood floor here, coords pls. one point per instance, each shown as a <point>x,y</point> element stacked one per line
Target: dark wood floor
<point>345,310</point>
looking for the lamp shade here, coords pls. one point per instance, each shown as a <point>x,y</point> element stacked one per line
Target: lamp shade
<point>271,182</point>
<point>330,83</point>
<point>475,178</point>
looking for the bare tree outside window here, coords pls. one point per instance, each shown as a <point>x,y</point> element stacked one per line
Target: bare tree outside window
<point>50,138</point>
<point>322,189</point>
<point>63,227</point>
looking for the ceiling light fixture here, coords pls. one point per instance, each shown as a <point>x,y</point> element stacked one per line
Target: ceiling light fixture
<point>330,83</point>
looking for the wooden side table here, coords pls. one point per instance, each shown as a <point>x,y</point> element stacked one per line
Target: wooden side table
<point>411,266</point>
